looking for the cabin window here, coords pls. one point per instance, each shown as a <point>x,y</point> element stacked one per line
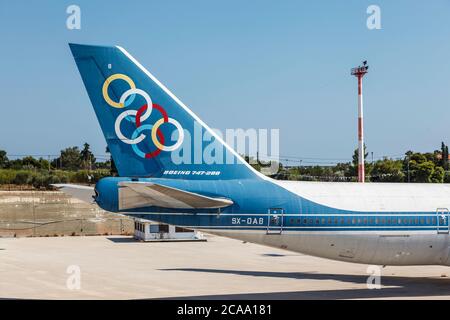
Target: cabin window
<point>311,221</point>
<point>422,220</point>
<point>434,220</point>
<point>376,221</point>
<point>329,220</point>
<point>399,221</point>
<point>428,220</point>
<point>416,221</point>
<point>305,221</point>
<point>383,221</point>
<point>317,221</point>
<point>323,220</point>
<point>336,220</point>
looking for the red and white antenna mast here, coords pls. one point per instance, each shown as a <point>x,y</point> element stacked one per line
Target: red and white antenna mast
<point>359,72</point>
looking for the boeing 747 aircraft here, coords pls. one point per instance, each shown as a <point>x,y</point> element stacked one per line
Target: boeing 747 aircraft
<point>151,136</point>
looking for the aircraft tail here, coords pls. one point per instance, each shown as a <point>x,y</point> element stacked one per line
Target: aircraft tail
<point>149,131</point>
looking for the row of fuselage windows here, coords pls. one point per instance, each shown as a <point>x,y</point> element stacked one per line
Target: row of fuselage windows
<point>365,221</point>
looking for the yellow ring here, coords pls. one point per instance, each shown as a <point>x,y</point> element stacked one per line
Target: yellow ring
<point>154,137</point>
<point>108,82</point>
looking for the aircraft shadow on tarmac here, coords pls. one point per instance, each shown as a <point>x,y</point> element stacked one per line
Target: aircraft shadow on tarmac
<point>276,255</point>
<point>122,239</point>
<point>392,286</point>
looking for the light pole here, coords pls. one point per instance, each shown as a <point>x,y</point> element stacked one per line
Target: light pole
<point>359,72</point>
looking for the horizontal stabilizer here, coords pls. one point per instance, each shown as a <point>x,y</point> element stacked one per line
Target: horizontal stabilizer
<point>146,194</point>
<point>83,193</point>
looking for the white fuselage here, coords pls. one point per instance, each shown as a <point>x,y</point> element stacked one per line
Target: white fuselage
<point>412,239</point>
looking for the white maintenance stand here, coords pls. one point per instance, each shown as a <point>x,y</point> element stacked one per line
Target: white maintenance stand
<point>148,231</point>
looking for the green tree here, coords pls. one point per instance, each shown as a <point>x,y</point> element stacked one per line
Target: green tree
<point>424,167</point>
<point>30,163</point>
<point>70,159</point>
<point>342,169</point>
<point>353,170</point>
<point>87,157</point>
<point>447,177</point>
<point>444,156</point>
<point>15,164</point>
<point>422,172</point>
<point>388,170</point>
<point>44,164</point>
<point>438,175</point>
<point>3,159</point>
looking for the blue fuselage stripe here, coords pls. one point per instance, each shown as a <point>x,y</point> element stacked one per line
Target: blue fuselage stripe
<point>259,204</point>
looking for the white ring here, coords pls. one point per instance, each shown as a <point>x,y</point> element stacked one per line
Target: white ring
<point>147,98</point>
<point>180,135</point>
<point>119,134</point>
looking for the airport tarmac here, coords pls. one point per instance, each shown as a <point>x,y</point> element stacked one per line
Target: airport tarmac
<point>117,267</point>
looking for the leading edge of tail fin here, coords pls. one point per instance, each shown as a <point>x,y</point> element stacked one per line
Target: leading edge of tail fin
<point>149,131</point>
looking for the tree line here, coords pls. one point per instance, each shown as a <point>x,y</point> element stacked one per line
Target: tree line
<point>79,165</point>
<point>429,167</point>
<point>73,165</point>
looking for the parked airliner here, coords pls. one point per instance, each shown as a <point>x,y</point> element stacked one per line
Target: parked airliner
<point>144,124</point>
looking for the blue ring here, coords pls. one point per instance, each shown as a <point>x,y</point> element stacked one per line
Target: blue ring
<point>134,136</point>
<point>129,100</point>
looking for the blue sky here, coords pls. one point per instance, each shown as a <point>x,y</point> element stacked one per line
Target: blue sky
<point>252,64</point>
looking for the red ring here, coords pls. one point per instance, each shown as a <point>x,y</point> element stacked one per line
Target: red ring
<point>144,108</point>
<point>157,151</point>
<point>158,132</point>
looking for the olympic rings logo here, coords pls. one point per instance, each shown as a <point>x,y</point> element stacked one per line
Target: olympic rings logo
<point>139,116</point>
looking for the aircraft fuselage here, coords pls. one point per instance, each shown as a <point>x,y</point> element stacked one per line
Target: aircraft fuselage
<point>266,213</point>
